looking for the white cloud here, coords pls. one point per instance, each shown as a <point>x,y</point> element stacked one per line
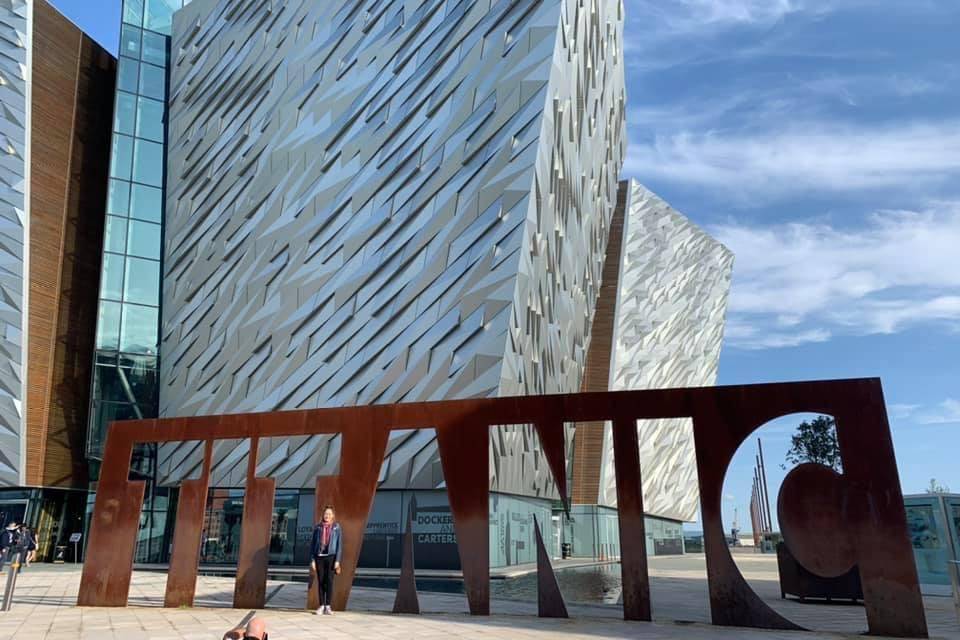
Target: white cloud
<point>907,86</point>
<point>889,316</point>
<point>740,333</point>
<point>769,105</point>
<point>864,89</point>
<point>663,34</point>
<point>902,410</point>
<point>693,15</point>
<point>947,412</point>
<point>775,133</point>
<point>766,107</point>
<point>813,156</point>
<point>666,33</point>
<point>806,282</point>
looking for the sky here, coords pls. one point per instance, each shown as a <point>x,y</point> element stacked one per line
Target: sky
<point>820,141</point>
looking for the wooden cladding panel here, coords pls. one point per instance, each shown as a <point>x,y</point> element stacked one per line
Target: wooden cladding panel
<point>56,44</point>
<point>73,83</point>
<point>67,420</point>
<point>588,437</point>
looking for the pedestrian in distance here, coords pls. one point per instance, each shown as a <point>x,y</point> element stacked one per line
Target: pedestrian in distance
<point>29,537</point>
<point>9,539</point>
<point>326,552</point>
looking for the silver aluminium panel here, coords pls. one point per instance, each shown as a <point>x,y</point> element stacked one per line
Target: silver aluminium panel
<point>668,330</point>
<point>15,43</point>
<point>386,201</point>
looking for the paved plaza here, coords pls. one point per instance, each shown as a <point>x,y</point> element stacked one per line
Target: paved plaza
<point>44,609</point>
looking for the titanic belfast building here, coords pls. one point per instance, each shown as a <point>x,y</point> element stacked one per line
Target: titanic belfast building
<point>383,201</point>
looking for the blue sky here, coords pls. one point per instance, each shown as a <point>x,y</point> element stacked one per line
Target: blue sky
<point>820,140</point>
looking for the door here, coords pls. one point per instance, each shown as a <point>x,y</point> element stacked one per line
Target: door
<point>555,547</point>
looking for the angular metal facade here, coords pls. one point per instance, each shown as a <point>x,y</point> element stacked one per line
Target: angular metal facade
<point>668,330</point>
<point>15,45</point>
<point>384,202</point>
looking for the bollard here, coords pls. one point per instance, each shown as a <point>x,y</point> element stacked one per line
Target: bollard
<point>12,574</point>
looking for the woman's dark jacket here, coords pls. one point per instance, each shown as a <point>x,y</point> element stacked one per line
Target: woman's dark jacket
<point>333,545</point>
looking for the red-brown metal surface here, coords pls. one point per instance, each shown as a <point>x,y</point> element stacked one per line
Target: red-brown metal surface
<point>811,511</point>
<point>361,457</point>
<point>633,538</point>
<point>718,429</point>
<point>871,511</point>
<point>250,589</point>
<point>550,602</point>
<point>406,600</point>
<point>465,456</point>
<point>187,537</point>
<point>105,581</point>
<point>722,417</point>
<point>875,514</point>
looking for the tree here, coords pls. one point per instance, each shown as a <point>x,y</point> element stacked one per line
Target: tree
<point>816,441</point>
<point>937,488</point>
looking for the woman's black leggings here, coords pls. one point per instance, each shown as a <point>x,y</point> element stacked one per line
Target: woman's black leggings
<point>325,575</point>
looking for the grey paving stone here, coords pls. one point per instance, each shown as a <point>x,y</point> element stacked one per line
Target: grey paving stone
<point>44,609</point>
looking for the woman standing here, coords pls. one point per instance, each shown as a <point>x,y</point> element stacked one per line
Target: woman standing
<point>326,551</point>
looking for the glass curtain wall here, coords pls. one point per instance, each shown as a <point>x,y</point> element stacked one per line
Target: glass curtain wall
<point>223,522</point>
<point>128,324</point>
<point>125,372</point>
<point>934,524</point>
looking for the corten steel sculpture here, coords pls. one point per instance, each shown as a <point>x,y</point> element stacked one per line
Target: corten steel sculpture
<point>830,521</point>
<point>550,602</point>
<point>406,600</point>
<point>187,537</point>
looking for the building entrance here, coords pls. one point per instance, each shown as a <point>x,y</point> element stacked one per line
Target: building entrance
<point>12,511</point>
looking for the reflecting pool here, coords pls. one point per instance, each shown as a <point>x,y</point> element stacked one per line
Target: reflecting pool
<point>585,585</point>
